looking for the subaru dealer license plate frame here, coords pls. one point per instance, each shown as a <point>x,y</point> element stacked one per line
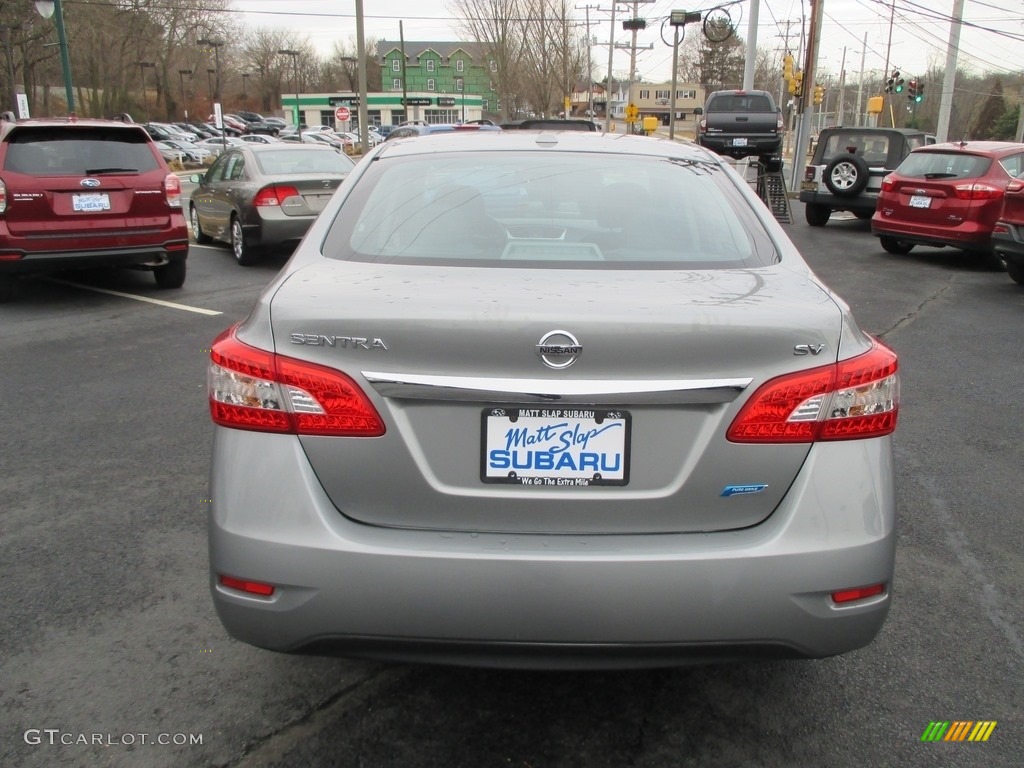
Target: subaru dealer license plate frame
<point>90,202</point>
<point>545,447</point>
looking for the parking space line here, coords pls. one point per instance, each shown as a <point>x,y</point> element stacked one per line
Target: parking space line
<point>160,302</point>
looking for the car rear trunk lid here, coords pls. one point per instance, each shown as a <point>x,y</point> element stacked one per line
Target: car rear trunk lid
<point>669,359</point>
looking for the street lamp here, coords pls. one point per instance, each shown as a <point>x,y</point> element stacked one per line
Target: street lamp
<point>142,71</point>
<point>209,84</point>
<point>181,78</point>
<point>46,9</point>
<point>216,45</point>
<point>245,96</point>
<point>295,65</point>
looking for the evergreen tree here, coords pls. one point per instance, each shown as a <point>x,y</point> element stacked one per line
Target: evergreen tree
<point>991,113</point>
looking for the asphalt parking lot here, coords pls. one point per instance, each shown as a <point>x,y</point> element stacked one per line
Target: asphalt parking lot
<point>109,631</point>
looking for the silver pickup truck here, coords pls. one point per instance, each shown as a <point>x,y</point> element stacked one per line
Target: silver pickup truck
<point>742,124</point>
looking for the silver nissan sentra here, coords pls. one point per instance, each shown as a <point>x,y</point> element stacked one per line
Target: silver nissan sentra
<point>551,400</point>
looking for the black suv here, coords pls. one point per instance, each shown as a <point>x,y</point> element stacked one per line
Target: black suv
<point>847,168</point>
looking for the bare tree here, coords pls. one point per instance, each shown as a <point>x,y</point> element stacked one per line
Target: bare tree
<point>498,27</point>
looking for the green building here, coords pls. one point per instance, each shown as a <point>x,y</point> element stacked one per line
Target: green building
<point>451,69</point>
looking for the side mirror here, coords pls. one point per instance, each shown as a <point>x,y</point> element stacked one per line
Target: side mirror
<point>195,178</point>
<point>698,110</point>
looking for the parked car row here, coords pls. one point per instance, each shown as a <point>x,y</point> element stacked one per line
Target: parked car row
<point>966,195</point>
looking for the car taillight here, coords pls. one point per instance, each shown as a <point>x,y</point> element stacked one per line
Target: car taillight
<point>3,196</point>
<point>977,191</point>
<point>808,173</point>
<point>888,183</point>
<point>703,126</point>
<point>779,123</point>
<point>852,399</point>
<point>274,195</point>
<point>1017,185</point>
<point>172,190</point>
<point>256,390</point>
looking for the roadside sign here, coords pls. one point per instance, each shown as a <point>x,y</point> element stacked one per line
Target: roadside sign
<point>218,115</point>
<point>23,106</point>
<point>632,113</point>
<point>343,114</point>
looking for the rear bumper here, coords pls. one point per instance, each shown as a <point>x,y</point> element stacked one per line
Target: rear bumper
<point>756,145</point>
<point>856,203</point>
<point>1010,245</point>
<point>271,228</point>
<point>969,236</point>
<point>550,600</point>
<point>18,257</point>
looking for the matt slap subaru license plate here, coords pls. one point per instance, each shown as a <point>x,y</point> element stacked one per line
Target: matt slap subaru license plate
<point>555,447</point>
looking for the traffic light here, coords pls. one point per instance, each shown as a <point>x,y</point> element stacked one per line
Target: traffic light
<point>898,85</point>
<point>919,97</point>
<point>787,67</point>
<point>890,84</point>
<point>796,85</point>
<point>819,94</point>
<point>912,90</point>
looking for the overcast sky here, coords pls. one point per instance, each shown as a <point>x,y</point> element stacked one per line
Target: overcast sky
<point>919,34</point>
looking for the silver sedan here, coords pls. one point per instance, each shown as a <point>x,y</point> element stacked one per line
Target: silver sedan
<point>551,400</point>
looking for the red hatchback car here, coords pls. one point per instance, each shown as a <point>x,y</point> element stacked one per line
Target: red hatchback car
<point>946,194</point>
<point>85,193</point>
<point>1008,235</point>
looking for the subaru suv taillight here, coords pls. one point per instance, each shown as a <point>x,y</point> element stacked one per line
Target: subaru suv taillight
<point>172,190</point>
<point>261,391</point>
<point>848,400</point>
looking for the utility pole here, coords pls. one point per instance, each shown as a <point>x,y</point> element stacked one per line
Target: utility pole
<point>860,82</point>
<point>751,53</point>
<point>806,101</point>
<point>888,49</point>
<point>842,89</point>
<point>608,80</point>
<point>590,64</point>
<point>634,25</point>
<point>364,115</point>
<point>946,97</point>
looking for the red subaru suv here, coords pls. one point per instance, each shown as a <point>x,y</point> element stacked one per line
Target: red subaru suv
<point>946,194</point>
<point>1008,235</point>
<point>85,193</point>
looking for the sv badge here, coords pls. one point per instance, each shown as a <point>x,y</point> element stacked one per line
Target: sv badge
<point>808,349</point>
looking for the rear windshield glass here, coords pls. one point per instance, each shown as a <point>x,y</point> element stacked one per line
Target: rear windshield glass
<point>944,165</point>
<point>276,162</point>
<point>540,208</point>
<point>84,151</point>
<point>871,148</point>
<point>732,102</point>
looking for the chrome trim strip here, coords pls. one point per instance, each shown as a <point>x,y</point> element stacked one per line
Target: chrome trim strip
<point>411,386</point>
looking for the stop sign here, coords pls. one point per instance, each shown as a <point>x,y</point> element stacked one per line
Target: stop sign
<point>343,114</point>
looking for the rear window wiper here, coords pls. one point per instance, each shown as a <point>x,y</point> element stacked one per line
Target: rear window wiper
<point>91,171</point>
<point>941,175</point>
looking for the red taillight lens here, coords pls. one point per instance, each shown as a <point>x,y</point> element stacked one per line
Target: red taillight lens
<point>977,191</point>
<point>3,197</point>
<point>808,173</point>
<point>274,195</point>
<point>779,123</point>
<point>172,190</point>
<point>260,391</point>
<point>1017,185</point>
<point>888,183</point>
<point>243,585</point>
<point>850,595</point>
<point>703,126</point>
<point>848,400</point>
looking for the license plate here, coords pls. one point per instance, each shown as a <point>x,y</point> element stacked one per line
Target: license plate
<point>555,447</point>
<point>920,201</point>
<point>95,201</point>
<point>808,186</point>
<point>739,142</point>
